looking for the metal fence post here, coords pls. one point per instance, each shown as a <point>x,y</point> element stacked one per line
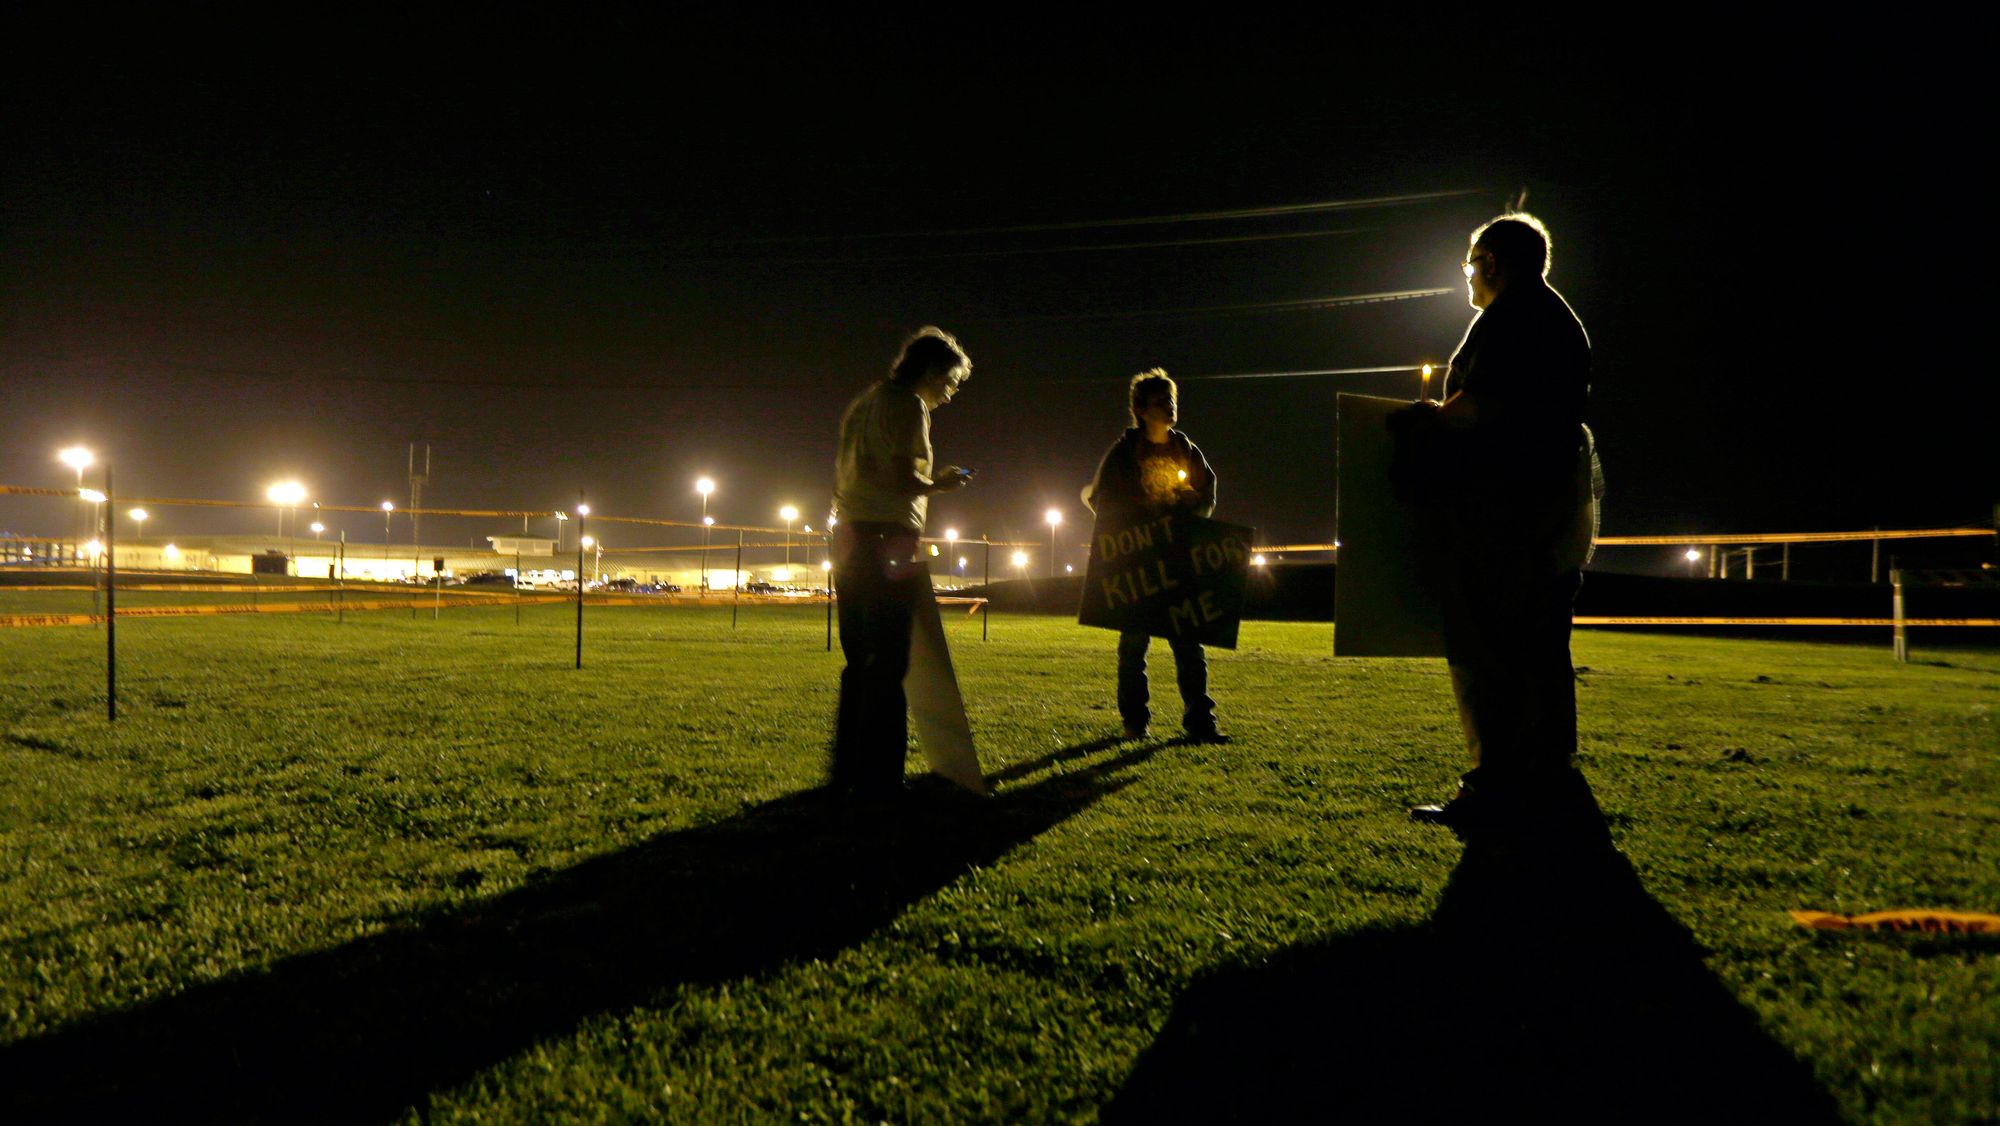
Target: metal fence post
<point>1896,601</point>
<point>110,597</point>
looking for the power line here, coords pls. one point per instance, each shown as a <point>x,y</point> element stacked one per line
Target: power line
<point>1384,370</point>
<point>1140,221</point>
<point>1078,249</point>
<point>1300,305</point>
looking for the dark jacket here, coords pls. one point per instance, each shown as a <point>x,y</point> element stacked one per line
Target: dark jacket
<point>1137,479</point>
<point>1526,361</point>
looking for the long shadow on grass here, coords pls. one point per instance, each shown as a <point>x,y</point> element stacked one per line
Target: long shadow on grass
<point>368,1029</point>
<point>1543,989</point>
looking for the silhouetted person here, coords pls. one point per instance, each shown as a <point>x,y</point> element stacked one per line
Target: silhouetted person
<point>1506,470</point>
<point>883,482</point>
<point>1153,470</point>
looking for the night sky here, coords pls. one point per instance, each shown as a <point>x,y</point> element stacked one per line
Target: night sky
<point>615,253</point>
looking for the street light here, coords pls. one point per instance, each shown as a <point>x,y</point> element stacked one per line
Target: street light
<point>97,522</point>
<point>388,512</point>
<point>79,459</point>
<point>1054,517</point>
<point>317,528</point>
<point>1692,556</point>
<point>704,486</point>
<point>788,514</point>
<point>707,522</point>
<point>1021,562</point>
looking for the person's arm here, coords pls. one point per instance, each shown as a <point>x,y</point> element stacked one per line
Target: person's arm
<point>1202,481</point>
<point>1115,489</point>
<point>904,435</point>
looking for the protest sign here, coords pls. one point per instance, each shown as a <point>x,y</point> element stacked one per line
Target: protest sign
<point>1179,577</point>
<point>931,686</point>
<point>1385,601</point>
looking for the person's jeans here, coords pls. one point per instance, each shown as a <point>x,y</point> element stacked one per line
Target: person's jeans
<point>875,583</point>
<point>1190,672</point>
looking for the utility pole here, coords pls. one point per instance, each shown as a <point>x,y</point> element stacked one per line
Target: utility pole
<point>417,482</point>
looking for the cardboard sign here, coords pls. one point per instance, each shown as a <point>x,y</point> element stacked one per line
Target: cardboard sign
<point>931,686</point>
<point>1384,602</point>
<point>1168,576</point>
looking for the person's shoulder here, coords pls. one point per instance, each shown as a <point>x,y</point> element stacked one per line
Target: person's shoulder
<point>895,398</point>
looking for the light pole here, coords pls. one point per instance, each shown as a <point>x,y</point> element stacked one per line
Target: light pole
<point>1693,556</point>
<point>1054,517</point>
<point>138,516</point>
<point>1021,563</point>
<point>788,514</point>
<point>704,486</point>
<point>317,528</point>
<point>707,522</point>
<point>79,459</point>
<point>951,541</point>
<point>388,513</point>
<point>561,519</point>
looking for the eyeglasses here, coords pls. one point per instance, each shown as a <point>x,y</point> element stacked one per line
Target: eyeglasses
<point>1472,261</point>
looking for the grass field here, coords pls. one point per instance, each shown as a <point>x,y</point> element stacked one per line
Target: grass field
<point>401,869</point>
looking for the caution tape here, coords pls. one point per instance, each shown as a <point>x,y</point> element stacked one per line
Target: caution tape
<point>30,621</point>
<point>1922,920</point>
<point>31,491</point>
<point>1796,537</point>
<point>1984,623</point>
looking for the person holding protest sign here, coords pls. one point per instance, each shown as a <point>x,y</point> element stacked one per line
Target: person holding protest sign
<point>883,482</point>
<point>1154,470</point>
<point>1506,470</point>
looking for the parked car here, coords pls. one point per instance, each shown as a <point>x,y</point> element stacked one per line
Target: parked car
<point>759,586</point>
<point>619,586</point>
<point>661,588</point>
<point>489,578</point>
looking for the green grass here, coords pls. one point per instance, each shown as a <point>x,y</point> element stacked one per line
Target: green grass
<point>401,869</point>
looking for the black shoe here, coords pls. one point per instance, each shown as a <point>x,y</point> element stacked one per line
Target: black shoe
<point>1132,733</point>
<point>1436,813</point>
<point>1207,735</point>
<point>1462,814</point>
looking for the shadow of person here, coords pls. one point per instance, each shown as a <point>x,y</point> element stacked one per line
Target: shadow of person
<point>1548,986</point>
<point>367,1029</point>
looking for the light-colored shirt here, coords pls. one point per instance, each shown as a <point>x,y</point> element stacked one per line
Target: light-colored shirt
<point>884,436</point>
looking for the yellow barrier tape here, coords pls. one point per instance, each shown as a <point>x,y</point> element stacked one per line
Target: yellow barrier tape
<point>1796,537</point>
<point>28,621</point>
<point>1985,623</point>
<point>31,491</point>
<point>1924,920</point>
